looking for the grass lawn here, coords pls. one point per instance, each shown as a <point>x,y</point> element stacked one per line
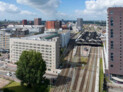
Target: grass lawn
<point>16,87</point>
<point>84,60</point>
<point>101,76</point>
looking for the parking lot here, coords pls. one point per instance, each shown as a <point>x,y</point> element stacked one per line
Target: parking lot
<point>4,56</point>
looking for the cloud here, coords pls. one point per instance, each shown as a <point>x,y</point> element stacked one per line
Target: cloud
<point>48,7</point>
<point>25,12</point>
<point>98,8</point>
<point>101,5</point>
<point>11,8</point>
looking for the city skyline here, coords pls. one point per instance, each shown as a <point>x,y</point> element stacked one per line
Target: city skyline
<point>56,9</point>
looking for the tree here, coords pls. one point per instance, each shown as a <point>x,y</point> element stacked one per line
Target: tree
<point>31,68</point>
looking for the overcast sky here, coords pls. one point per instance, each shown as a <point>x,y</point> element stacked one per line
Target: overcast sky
<point>56,9</point>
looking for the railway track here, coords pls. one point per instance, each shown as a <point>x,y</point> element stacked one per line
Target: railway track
<point>63,76</point>
<point>78,68</point>
<point>94,76</point>
<point>85,71</point>
<point>65,84</point>
<point>91,74</point>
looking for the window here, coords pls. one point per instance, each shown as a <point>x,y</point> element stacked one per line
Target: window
<point>111,33</point>
<point>111,12</point>
<point>111,66</point>
<point>111,21</point>
<point>112,57</point>
<point>49,69</point>
<point>112,45</point>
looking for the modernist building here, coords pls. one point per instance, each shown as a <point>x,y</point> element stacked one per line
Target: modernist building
<point>37,21</point>
<point>20,32</point>
<point>47,45</point>
<point>24,22</point>
<point>64,37</point>
<point>4,40</point>
<point>115,41</point>
<point>79,25</point>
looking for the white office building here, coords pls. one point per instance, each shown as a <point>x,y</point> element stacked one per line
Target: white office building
<point>47,45</point>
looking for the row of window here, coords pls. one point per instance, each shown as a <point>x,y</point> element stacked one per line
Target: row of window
<point>20,43</point>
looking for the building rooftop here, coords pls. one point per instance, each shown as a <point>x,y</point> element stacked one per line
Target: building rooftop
<point>5,33</point>
<point>40,37</point>
<point>25,26</point>
<point>63,31</point>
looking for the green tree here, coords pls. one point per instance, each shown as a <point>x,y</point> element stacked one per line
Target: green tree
<point>31,68</point>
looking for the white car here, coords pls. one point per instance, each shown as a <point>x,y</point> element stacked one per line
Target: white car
<point>9,74</point>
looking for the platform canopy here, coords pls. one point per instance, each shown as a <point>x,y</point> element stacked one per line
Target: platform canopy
<point>117,79</point>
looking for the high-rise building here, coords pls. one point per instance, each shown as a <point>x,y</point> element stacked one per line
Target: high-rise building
<point>53,24</point>
<point>79,24</point>
<point>115,41</point>
<point>4,40</point>
<point>46,44</point>
<point>37,21</point>
<point>24,22</point>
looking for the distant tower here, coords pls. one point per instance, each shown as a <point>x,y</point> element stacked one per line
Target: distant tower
<point>37,21</point>
<point>79,24</point>
<point>24,22</point>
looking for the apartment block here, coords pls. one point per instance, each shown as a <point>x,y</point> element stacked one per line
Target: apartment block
<point>4,40</point>
<point>115,41</point>
<point>47,45</point>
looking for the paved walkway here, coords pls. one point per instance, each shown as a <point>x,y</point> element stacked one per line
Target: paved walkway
<point>3,82</point>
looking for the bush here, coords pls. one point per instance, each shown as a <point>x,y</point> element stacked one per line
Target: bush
<point>7,90</point>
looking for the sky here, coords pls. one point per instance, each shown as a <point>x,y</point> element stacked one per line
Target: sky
<point>56,9</point>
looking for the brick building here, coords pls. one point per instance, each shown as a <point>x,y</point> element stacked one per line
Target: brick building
<point>53,24</point>
<point>115,41</point>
